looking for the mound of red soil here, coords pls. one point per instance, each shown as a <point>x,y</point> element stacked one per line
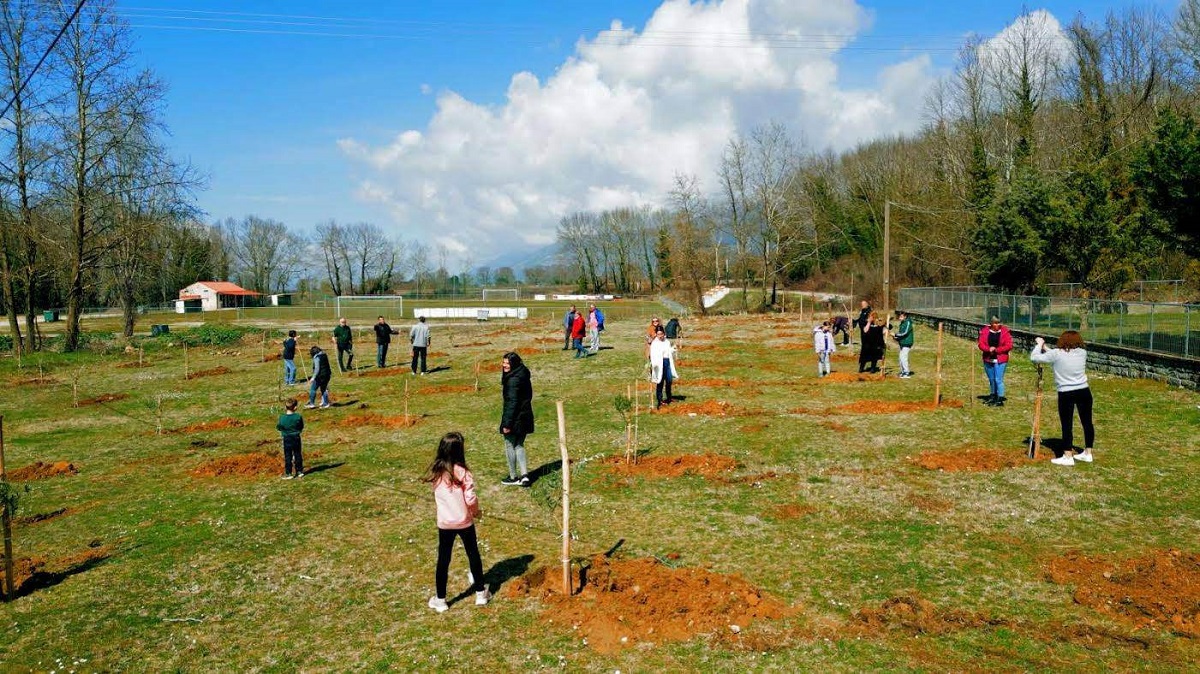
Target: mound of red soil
<point>843,357</point>
<point>218,425</point>
<point>625,602</point>
<point>709,348</point>
<point>1160,590</point>
<point>794,347</point>
<point>393,422</point>
<point>844,377</point>
<point>704,465</point>
<point>448,388</point>
<point>474,344</point>
<point>490,366</point>
<point>212,372</point>
<point>755,427</point>
<point>241,465</point>
<point>971,460</point>
<point>106,398</point>
<point>912,614</point>
<point>711,408</point>
<point>928,504</point>
<point>547,340</point>
<point>144,363</point>
<point>41,471</point>
<point>272,357</point>
<point>893,407</point>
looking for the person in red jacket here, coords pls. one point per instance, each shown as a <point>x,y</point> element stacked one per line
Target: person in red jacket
<point>995,341</point>
<point>578,331</point>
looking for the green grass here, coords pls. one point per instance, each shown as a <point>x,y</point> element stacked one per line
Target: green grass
<point>331,573</point>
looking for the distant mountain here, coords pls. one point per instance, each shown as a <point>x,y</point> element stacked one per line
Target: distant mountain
<point>525,257</point>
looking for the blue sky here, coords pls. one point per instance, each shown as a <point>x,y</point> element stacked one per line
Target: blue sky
<point>295,109</point>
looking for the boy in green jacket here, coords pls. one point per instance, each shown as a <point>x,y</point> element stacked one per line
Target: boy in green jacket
<point>290,426</point>
<point>904,338</point>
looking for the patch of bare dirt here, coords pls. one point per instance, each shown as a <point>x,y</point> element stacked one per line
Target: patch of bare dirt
<point>380,420</point>
<point>40,471</point>
<point>1160,590</point>
<point>218,425</point>
<point>893,407</point>
<point>626,602</point>
<point>792,511</point>
<point>715,349</point>
<point>913,614</point>
<point>836,427</point>
<point>102,399</point>
<point>490,366</point>
<point>468,344</point>
<point>708,408</point>
<point>548,340</point>
<point>211,372</point>
<point>756,427</point>
<point>705,465</point>
<point>134,363</point>
<point>448,388</point>
<point>436,354</point>
<point>272,357</point>
<point>972,459</point>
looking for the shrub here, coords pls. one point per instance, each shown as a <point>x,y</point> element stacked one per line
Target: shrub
<point>211,335</point>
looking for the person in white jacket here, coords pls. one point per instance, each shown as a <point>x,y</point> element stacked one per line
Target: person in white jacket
<point>662,367</point>
<point>1069,362</point>
<point>823,345</point>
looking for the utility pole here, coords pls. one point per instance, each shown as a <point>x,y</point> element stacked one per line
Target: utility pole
<point>887,275</point>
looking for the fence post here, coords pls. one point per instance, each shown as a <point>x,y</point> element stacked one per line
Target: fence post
<point>1151,348</point>
<point>1187,330</point>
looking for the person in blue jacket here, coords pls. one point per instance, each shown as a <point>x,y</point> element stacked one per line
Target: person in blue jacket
<point>568,320</point>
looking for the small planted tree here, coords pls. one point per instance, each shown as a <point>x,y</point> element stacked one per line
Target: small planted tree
<point>623,404</point>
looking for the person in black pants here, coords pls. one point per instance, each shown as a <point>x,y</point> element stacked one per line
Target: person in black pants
<point>873,345</point>
<point>383,338</point>
<point>290,426</point>
<point>863,320</point>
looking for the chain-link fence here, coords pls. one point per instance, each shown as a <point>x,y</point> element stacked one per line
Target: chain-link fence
<point>1150,326</point>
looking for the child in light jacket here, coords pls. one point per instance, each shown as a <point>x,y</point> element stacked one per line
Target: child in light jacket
<point>457,508</point>
<point>823,345</point>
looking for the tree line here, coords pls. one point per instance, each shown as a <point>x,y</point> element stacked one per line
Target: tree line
<point>1045,157</point>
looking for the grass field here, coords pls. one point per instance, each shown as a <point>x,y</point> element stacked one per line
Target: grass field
<point>775,522</point>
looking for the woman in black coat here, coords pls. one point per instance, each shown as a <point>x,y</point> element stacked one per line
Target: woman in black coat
<point>516,422</point>
<point>873,345</point>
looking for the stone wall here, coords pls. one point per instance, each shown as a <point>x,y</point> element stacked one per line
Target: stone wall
<point>1116,360</point>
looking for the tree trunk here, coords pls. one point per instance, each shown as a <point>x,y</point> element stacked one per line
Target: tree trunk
<point>10,298</point>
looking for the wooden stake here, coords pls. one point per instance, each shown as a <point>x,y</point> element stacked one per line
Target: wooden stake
<point>185,360</point>
<point>406,402</point>
<point>6,519</point>
<point>637,396</point>
<point>937,384</point>
<point>158,415</point>
<point>476,376</point>
<point>971,362</point>
<point>75,387</point>
<point>566,507</point>
<point>628,426</point>
<point>264,347</point>
<point>139,356</point>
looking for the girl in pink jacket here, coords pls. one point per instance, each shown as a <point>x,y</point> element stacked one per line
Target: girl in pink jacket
<point>457,508</point>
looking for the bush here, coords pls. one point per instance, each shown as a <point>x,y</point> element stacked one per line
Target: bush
<point>6,343</point>
<point>210,335</point>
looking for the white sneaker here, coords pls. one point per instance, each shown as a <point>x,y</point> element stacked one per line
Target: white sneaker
<point>326,406</point>
<point>483,597</point>
<point>287,477</point>
<point>1064,460</point>
<point>310,407</point>
<point>438,605</point>
<point>1084,456</point>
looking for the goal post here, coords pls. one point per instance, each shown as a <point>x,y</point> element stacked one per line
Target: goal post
<point>368,307</point>
<point>501,294</point>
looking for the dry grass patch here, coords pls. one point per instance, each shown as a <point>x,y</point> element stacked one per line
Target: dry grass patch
<point>894,407</point>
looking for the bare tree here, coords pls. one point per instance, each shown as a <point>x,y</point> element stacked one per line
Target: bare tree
<point>577,240</point>
<point>266,255</point>
<point>418,262</point>
<point>691,236</point>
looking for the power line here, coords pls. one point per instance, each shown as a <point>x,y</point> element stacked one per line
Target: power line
<point>49,49</point>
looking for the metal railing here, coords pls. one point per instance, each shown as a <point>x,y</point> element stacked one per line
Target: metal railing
<point>1149,326</point>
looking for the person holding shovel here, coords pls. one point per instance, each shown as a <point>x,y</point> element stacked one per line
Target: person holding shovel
<point>1069,362</point>
<point>322,372</point>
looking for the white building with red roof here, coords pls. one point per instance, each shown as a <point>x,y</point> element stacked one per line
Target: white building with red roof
<point>213,295</point>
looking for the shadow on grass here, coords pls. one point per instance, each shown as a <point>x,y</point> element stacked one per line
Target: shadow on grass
<point>41,580</point>
<point>323,467</point>
<point>344,403</point>
<point>439,368</point>
<point>500,573</point>
<point>544,470</point>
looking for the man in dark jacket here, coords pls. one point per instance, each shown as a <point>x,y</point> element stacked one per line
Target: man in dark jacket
<point>864,320</point>
<point>673,329</point>
<point>289,358</point>
<point>516,421</point>
<point>383,337</point>
<point>568,322</point>
<point>343,337</point>
<point>320,380</point>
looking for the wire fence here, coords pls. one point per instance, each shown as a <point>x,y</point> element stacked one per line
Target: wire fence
<point>1157,327</point>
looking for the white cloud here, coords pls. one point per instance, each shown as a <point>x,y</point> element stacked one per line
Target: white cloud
<point>628,110</point>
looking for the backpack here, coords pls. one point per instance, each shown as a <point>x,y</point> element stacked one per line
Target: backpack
<point>599,320</point>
